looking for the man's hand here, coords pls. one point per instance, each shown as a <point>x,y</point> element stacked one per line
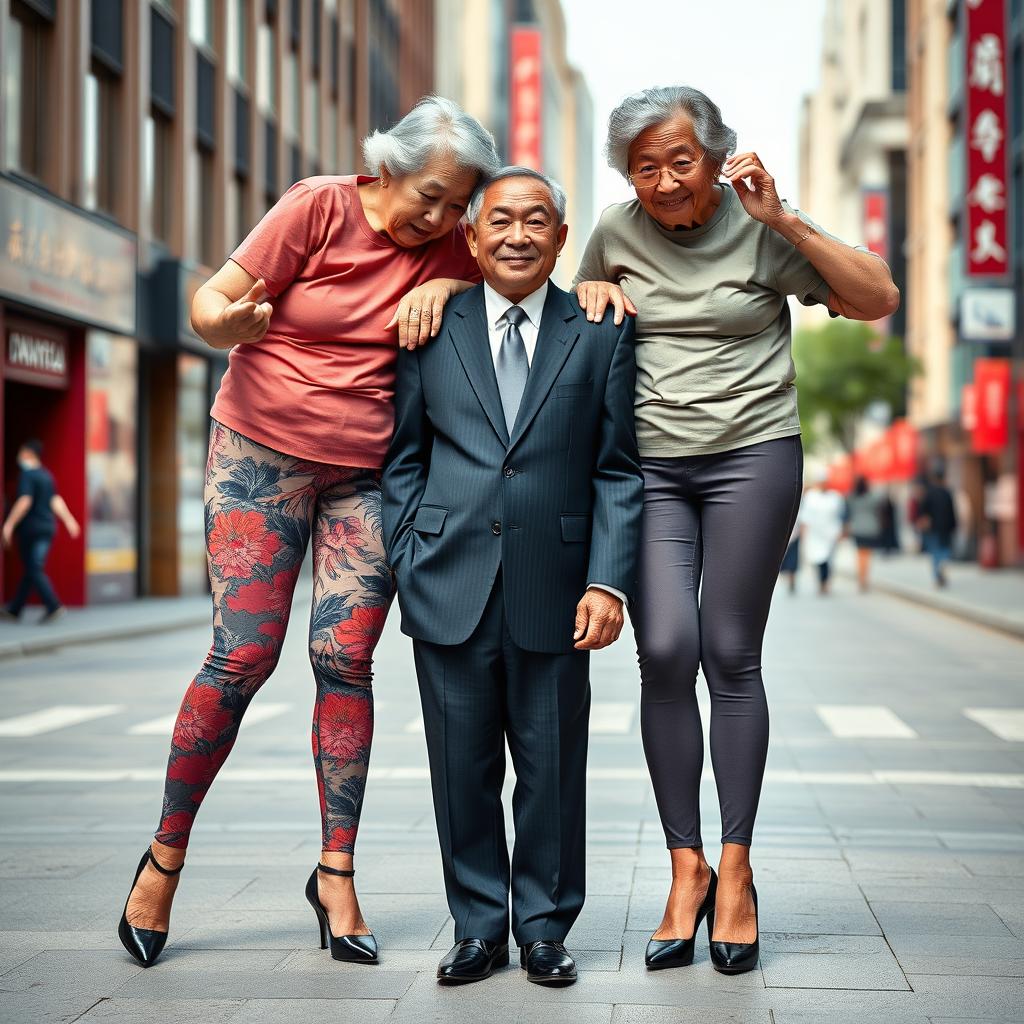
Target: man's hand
<point>8,534</point>
<point>599,620</point>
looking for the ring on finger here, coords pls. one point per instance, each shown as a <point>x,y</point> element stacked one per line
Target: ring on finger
<point>414,312</point>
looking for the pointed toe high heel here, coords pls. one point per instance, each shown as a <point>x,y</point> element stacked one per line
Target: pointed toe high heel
<point>665,953</point>
<point>144,944</point>
<point>352,949</point>
<point>735,957</point>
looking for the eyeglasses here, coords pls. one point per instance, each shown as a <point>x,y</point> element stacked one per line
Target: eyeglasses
<point>679,170</point>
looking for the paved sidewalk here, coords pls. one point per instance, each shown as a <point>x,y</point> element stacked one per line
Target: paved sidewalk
<point>988,597</point>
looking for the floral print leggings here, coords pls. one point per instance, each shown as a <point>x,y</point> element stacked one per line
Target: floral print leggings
<point>261,509</point>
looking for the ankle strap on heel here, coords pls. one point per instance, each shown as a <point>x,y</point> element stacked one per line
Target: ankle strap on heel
<point>169,872</point>
<point>335,871</point>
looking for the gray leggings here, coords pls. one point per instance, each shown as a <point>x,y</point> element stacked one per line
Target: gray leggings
<point>726,519</point>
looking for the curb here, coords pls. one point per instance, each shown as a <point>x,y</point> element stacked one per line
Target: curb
<point>55,641</point>
<point>949,606</point>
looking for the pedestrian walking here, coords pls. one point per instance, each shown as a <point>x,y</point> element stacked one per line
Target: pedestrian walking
<point>301,426</point>
<point>864,525</point>
<point>31,525</point>
<point>791,559</point>
<point>937,521</point>
<point>889,539</point>
<point>709,265</point>
<point>822,514</point>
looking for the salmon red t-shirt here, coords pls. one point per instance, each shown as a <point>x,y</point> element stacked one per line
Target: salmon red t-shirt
<point>320,384</point>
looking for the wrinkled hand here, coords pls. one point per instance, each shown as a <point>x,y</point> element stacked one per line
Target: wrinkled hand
<point>419,313</point>
<point>594,297</point>
<point>759,198</point>
<point>599,620</point>
<point>247,319</point>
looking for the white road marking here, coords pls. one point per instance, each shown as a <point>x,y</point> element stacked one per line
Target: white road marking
<point>164,725</point>
<point>864,721</point>
<point>880,777</point>
<point>60,716</point>
<point>415,726</point>
<point>1006,723</point>
<point>612,717</point>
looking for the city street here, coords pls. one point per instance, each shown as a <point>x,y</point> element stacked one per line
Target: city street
<point>889,857</point>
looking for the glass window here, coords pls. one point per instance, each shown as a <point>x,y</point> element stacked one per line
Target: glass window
<point>25,89</point>
<point>238,41</point>
<point>157,182</point>
<point>292,120</point>
<point>313,113</point>
<point>331,160</point>
<point>100,142</point>
<point>238,209</point>
<point>203,212</point>
<point>200,22</point>
<point>193,427</point>
<point>110,466</point>
<point>266,70</point>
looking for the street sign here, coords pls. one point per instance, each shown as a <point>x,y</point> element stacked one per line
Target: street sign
<point>987,314</point>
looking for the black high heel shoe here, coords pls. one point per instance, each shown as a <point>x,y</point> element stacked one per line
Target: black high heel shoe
<point>352,949</point>
<point>663,953</point>
<point>735,957</point>
<point>145,944</point>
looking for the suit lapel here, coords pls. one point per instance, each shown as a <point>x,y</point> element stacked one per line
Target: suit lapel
<point>555,340</point>
<point>469,335</point>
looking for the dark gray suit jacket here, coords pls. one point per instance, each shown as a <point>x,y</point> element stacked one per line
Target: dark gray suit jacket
<point>557,505</point>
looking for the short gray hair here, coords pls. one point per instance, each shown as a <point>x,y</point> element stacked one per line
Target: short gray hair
<point>643,110</point>
<point>435,126</point>
<point>514,171</point>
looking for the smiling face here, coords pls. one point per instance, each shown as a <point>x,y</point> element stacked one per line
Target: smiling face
<point>427,204</point>
<point>516,238</point>
<point>686,196</point>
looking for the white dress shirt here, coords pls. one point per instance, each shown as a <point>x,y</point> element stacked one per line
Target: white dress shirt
<point>533,306</point>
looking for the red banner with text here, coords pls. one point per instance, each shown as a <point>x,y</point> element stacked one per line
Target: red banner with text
<point>525,106</point>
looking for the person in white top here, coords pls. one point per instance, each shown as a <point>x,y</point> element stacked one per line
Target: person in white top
<point>821,526</point>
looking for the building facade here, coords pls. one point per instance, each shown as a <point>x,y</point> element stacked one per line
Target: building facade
<point>141,141</point>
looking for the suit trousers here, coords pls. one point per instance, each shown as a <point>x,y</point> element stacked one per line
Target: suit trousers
<point>476,695</point>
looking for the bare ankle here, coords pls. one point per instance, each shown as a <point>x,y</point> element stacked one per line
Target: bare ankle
<point>688,862</point>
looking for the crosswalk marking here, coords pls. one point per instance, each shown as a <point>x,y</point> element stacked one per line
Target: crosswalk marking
<point>864,721</point>
<point>60,716</point>
<point>1006,723</point>
<point>164,725</point>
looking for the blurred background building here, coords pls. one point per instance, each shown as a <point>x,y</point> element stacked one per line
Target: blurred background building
<point>915,144</point>
<point>141,141</point>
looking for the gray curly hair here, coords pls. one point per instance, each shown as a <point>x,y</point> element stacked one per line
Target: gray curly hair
<point>642,110</point>
<point>435,125</point>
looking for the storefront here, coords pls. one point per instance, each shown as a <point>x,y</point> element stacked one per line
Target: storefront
<point>68,378</point>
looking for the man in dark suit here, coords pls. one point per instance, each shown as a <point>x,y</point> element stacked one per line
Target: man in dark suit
<point>512,501</point>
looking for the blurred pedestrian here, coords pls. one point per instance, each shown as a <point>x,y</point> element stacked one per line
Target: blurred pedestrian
<point>301,426</point>
<point>864,526</point>
<point>791,559</point>
<point>32,523</point>
<point>821,525</point>
<point>937,521</point>
<point>889,540</point>
<point>710,264</point>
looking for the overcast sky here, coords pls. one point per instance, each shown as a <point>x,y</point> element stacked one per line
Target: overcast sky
<point>755,63</point>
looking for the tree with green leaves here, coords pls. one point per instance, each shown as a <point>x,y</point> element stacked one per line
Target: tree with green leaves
<point>843,367</point>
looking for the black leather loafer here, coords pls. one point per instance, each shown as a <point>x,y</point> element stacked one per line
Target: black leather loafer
<point>547,963</point>
<point>471,960</point>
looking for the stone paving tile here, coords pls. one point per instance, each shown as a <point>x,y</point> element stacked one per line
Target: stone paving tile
<point>455,1011</point>
<point>309,1011</point>
<point>349,981</point>
<point>45,1006</point>
<point>952,955</point>
<point>75,972</point>
<point>830,961</point>
<point>11,958</point>
<point>920,918</point>
<point>626,1013</point>
<point>180,1011</point>
<point>984,997</point>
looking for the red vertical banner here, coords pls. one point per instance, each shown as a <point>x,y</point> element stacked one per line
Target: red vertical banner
<point>992,399</point>
<point>875,229</point>
<point>525,95</point>
<point>987,242</point>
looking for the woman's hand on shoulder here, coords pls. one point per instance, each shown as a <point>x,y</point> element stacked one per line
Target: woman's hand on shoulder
<point>760,198</point>
<point>594,297</point>
<point>419,313</point>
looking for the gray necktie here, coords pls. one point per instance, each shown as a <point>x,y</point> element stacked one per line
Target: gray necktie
<point>512,367</point>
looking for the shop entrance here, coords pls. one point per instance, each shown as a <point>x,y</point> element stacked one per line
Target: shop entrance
<point>44,398</point>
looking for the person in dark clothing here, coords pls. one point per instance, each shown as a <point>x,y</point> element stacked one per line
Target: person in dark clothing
<point>936,519</point>
<point>32,523</point>
<point>889,541</point>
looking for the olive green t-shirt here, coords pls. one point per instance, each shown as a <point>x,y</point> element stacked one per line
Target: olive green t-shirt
<point>714,369</point>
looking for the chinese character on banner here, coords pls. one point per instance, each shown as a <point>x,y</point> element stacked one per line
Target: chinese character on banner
<point>525,98</point>
<point>992,404</point>
<point>987,217</point>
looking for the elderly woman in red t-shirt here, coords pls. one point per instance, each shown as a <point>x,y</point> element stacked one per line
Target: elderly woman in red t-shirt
<point>301,425</point>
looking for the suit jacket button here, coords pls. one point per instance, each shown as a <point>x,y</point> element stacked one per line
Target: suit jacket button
<point>509,471</point>
<point>496,529</point>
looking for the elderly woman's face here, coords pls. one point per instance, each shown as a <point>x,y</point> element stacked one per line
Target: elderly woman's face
<point>673,179</point>
<point>426,204</point>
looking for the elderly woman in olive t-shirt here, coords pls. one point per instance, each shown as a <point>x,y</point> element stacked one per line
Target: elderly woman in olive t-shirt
<point>709,266</point>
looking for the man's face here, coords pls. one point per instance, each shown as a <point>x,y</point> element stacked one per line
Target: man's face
<point>517,237</point>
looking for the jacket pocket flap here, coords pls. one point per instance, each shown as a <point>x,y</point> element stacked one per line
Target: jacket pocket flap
<point>578,389</point>
<point>575,528</point>
<point>429,519</point>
